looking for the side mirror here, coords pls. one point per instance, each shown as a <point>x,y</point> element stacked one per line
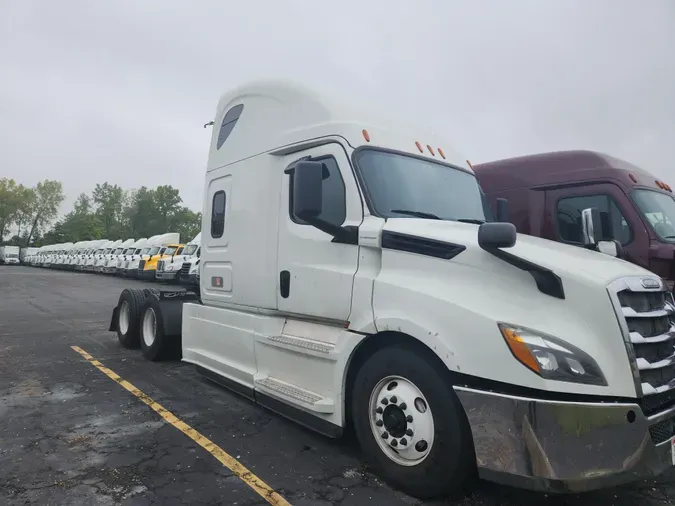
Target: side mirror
<point>496,235</point>
<point>307,189</point>
<point>502,210</point>
<point>591,227</point>
<point>611,248</point>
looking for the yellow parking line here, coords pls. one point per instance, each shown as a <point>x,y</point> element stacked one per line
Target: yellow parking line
<point>260,487</point>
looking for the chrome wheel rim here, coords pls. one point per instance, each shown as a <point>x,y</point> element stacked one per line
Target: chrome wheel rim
<point>401,421</point>
<point>149,326</point>
<point>124,317</point>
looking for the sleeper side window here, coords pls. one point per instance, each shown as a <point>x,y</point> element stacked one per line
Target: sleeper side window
<point>614,225</point>
<point>218,214</point>
<point>334,195</point>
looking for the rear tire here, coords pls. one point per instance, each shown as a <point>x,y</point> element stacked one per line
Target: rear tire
<point>155,344</point>
<point>129,309</point>
<point>420,440</point>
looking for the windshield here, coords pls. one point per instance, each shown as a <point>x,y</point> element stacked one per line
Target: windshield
<point>170,250</point>
<point>190,249</point>
<point>404,186</point>
<point>153,251</point>
<point>118,251</point>
<point>659,209</point>
<point>144,251</point>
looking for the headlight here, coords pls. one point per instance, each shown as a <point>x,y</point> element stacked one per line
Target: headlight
<point>550,357</point>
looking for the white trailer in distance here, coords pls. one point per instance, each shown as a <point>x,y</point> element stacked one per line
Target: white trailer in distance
<point>9,255</point>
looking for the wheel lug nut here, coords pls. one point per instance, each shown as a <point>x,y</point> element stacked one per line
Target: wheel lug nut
<point>379,410</point>
<point>385,435</point>
<point>403,405</point>
<point>379,423</point>
<point>409,432</point>
<point>408,418</point>
<point>385,401</point>
<point>393,399</point>
<point>394,443</point>
<point>403,441</point>
<point>421,446</point>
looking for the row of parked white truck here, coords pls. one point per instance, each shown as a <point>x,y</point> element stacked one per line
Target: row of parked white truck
<point>162,257</point>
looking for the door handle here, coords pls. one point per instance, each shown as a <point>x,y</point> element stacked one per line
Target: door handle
<point>285,283</point>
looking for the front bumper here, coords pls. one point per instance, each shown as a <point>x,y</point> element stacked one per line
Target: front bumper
<point>131,273</point>
<point>166,275</point>
<point>556,446</point>
<point>146,275</point>
<point>12,261</point>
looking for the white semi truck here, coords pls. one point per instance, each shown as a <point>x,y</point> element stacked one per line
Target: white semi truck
<point>117,256</point>
<point>9,255</point>
<point>352,274</point>
<point>170,269</point>
<point>26,254</point>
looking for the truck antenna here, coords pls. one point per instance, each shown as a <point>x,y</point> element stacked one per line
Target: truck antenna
<point>469,164</point>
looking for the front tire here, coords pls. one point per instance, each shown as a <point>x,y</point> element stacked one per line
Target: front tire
<point>410,424</point>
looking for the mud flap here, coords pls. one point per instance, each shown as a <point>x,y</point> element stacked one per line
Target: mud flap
<point>114,319</point>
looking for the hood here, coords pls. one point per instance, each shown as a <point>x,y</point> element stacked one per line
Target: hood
<point>564,260</point>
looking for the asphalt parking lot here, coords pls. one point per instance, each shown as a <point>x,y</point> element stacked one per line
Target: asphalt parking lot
<point>69,434</point>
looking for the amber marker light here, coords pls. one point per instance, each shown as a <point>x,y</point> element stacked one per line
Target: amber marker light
<point>519,349</point>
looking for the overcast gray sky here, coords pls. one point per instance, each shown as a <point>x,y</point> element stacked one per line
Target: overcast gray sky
<point>118,91</point>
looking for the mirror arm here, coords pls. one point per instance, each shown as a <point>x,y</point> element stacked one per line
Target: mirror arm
<point>342,235</point>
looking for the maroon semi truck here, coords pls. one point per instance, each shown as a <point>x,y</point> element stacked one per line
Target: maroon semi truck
<point>551,195</point>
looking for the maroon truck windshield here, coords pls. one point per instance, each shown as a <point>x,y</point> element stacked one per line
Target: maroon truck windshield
<point>659,209</point>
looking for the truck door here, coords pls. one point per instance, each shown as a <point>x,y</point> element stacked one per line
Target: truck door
<point>315,274</point>
<point>617,215</point>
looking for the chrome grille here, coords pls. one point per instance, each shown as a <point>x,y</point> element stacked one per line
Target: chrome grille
<point>141,265</point>
<point>160,265</point>
<point>648,318</point>
<point>185,269</point>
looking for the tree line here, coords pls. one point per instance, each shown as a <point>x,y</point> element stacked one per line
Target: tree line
<point>29,216</point>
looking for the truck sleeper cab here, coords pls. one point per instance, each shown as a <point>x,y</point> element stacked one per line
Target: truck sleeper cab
<point>350,274</point>
<point>548,192</point>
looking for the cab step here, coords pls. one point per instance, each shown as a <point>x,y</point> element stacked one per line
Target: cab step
<point>294,394</point>
<point>289,341</point>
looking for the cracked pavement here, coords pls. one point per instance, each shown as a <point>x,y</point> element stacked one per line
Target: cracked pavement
<point>71,435</point>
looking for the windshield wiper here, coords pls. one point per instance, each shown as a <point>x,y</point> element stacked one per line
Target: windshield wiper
<point>417,214</point>
<point>468,220</point>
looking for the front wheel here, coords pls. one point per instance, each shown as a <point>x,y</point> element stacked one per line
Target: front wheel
<point>410,424</point>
